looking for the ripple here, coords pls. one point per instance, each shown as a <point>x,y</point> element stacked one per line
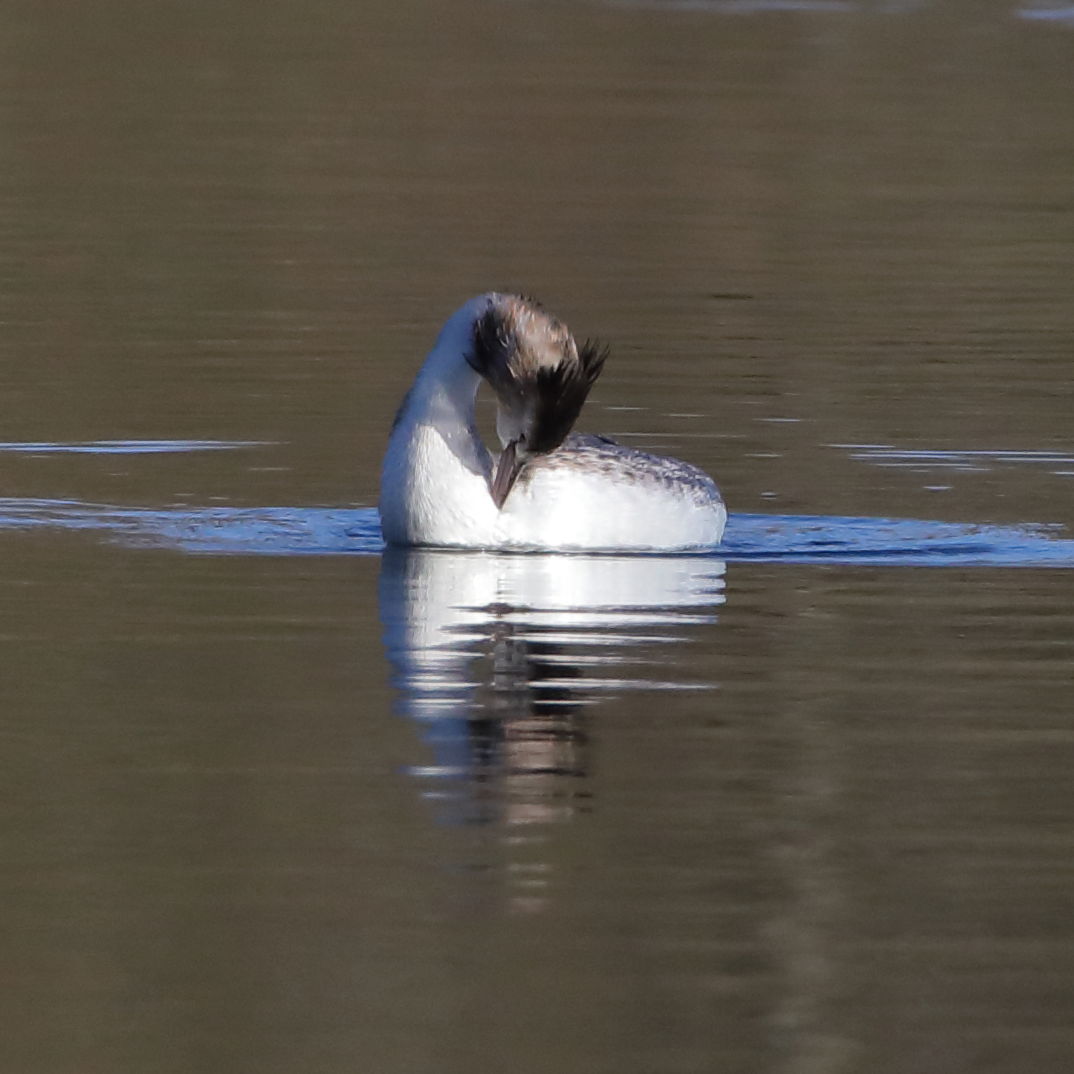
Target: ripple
<point>207,530</point>
<point>800,539</point>
<point>1061,15</point>
<point>925,460</point>
<point>125,447</point>
<point>742,7</point>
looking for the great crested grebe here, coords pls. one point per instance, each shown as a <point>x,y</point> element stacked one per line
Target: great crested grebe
<point>548,490</point>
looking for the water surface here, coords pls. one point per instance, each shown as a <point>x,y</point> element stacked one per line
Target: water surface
<point>275,801</point>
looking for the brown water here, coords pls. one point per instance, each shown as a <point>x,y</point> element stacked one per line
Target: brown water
<point>808,815</point>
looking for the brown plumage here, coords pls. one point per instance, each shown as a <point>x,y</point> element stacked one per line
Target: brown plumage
<point>535,367</point>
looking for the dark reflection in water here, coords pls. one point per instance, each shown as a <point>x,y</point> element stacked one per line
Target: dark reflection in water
<point>497,657</point>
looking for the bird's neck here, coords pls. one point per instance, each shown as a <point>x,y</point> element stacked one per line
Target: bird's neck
<point>441,404</point>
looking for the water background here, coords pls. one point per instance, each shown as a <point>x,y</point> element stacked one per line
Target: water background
<point>806,807</point>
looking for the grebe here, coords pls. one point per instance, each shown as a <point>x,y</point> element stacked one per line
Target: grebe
<point>547,490</point>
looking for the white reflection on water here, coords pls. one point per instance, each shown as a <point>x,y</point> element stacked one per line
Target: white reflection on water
<point>924,460</point>
<point>497,657</point>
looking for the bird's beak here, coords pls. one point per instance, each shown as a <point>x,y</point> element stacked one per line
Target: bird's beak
<point>508,467</point>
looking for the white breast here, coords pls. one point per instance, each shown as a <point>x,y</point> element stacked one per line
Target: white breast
<point>594,494</point>
<point>589,495</point>
<point>436,493</point>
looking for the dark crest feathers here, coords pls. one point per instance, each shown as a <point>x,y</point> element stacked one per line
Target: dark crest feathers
<point>525,353</point>
<point>561,393</point>
<point>493,341</point>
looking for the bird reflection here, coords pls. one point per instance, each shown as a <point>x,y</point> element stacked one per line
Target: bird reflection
<point>499,657</point>
<point>527,734</point>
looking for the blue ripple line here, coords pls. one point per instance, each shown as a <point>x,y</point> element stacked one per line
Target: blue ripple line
<point>870,541</point>
<point>797,539</point>
<point>209,530</point>
<point>1048,14</point>
<point>125,447</point>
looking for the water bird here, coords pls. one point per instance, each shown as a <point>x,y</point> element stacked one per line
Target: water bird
<point>549,489</point>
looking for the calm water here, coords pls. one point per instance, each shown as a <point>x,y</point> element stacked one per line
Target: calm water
<point>275,801</point>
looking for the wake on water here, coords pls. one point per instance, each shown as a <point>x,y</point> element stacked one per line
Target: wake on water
<point>289,531</point>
